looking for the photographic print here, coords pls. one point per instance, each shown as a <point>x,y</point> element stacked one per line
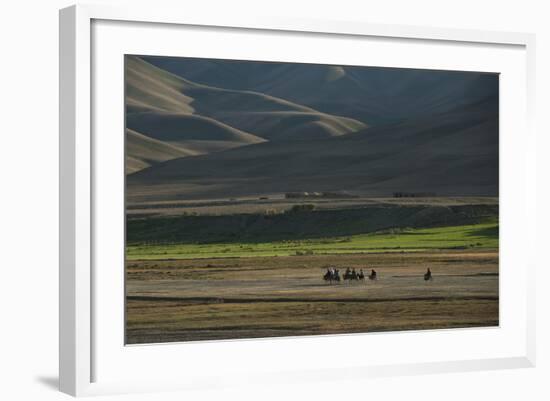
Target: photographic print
<point>271,199</point>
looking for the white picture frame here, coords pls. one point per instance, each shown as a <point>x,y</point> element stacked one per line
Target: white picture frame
<point>78,367</point>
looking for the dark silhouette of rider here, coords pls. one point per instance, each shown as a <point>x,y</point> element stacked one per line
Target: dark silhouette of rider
<point>428,275</point>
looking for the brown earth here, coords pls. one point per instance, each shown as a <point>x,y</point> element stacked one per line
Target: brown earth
<point>212,299</point>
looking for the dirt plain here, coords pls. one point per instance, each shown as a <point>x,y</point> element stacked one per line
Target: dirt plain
<point>252,297</point>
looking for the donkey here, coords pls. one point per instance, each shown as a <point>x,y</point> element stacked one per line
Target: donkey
<point>361,275</point>
<point>328,276</point>
<point>373,275</point>
<point>350,275</point>
<point>428,275</point>
<point>331,275</point>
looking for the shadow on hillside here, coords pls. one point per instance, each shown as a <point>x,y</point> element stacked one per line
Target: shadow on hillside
<point>317,224</point>
<point>488,232</point>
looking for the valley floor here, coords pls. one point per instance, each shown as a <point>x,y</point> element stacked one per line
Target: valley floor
<point>268,296</point>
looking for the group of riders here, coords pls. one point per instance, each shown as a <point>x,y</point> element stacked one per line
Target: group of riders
<point>333,274</point>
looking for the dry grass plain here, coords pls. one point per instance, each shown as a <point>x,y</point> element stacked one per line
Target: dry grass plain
<point>229,298</point>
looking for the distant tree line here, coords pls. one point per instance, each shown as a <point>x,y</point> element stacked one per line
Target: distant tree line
<point>302,208</point>
<point>413,194</point>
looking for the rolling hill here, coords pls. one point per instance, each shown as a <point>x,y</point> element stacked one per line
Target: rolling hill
<point>418,131</point>
<point>372,95</point>
<point>143,151</point>
<point>189,131</point>
<point>448,154</point>
<point>202,119</point>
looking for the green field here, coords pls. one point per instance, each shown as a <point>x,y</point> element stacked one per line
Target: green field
<point>475,236</point>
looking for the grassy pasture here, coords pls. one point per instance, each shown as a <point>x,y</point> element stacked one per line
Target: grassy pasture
<point>475,236</point>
